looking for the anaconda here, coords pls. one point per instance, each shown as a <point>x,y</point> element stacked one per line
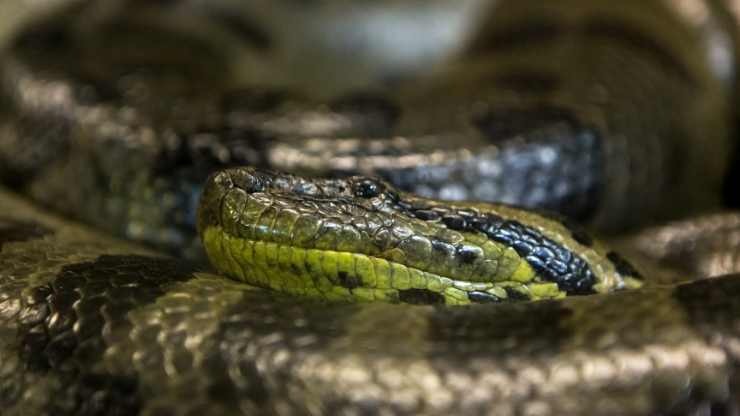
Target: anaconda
<point>612,114</point>
<point>94,326</point>
<point>361,239</point>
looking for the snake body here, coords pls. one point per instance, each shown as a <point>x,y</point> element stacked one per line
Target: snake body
<point>611,114</point>
<point>95,326</point>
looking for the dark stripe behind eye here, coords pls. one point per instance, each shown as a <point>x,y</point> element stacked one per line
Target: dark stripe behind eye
<point>551,260</point>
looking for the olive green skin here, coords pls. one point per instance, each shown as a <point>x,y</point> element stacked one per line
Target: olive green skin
<point>360,239</point>
<point>91,325</point>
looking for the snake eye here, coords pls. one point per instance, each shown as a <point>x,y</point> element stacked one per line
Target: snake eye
<point>367,188</point>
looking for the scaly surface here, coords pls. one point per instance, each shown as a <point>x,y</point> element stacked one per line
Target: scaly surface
<point>612,112</point>
<point>90,325</point>
<point>361,239</point>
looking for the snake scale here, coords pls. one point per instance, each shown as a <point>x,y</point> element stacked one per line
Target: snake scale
<point>614,115</point>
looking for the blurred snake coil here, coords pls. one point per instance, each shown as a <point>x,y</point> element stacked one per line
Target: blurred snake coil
<point>325,207</point>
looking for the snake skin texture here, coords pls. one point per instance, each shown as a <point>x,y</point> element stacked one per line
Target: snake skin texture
<point>616,114</point>
<point>704,246</point>
<point>537,117</point>
<point>91,325</point>
<point>371,241</point>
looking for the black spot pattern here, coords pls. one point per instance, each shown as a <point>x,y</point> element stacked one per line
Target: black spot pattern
<point>549,259</point>
<point>455,222</point>
<point>426,215</point>
<point>467,255</point>
<point>581,236</point>
<point>443,248</point>
<point>482,297</point>
<point>420,297</point>
<point>348,281</point>
<point>64,318</point>
<point>515,294</point>
<point>541,323</point>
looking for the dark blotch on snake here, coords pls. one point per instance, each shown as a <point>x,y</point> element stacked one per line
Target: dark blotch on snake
<point>466,254</point>
<point>67,313</point>
<point>443,248</point>
<point>455,222</point>
<point>420,297</point>
<point>348,281</point>
<point>581,236</point>
<point>426,215</point>
<point>515,294</point>
<point>552,261</point>
<point>482,297</point>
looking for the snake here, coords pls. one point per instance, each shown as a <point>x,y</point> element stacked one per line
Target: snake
<point>366,280</point>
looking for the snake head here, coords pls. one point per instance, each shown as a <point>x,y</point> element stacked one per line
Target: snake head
<point>359,238</point>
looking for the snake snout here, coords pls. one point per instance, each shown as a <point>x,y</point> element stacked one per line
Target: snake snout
<point>214,191</point>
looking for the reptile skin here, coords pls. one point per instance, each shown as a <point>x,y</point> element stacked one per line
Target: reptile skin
<point>541,121</point>
<point>613,114</point>
<point>94,326</point>
<point>360,238</point>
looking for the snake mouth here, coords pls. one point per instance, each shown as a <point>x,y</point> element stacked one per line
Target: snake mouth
<point>360,239</point>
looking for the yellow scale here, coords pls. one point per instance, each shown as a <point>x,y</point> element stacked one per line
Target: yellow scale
<point>316,273</point>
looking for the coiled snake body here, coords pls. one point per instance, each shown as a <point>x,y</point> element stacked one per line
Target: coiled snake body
<point>613,115</point>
